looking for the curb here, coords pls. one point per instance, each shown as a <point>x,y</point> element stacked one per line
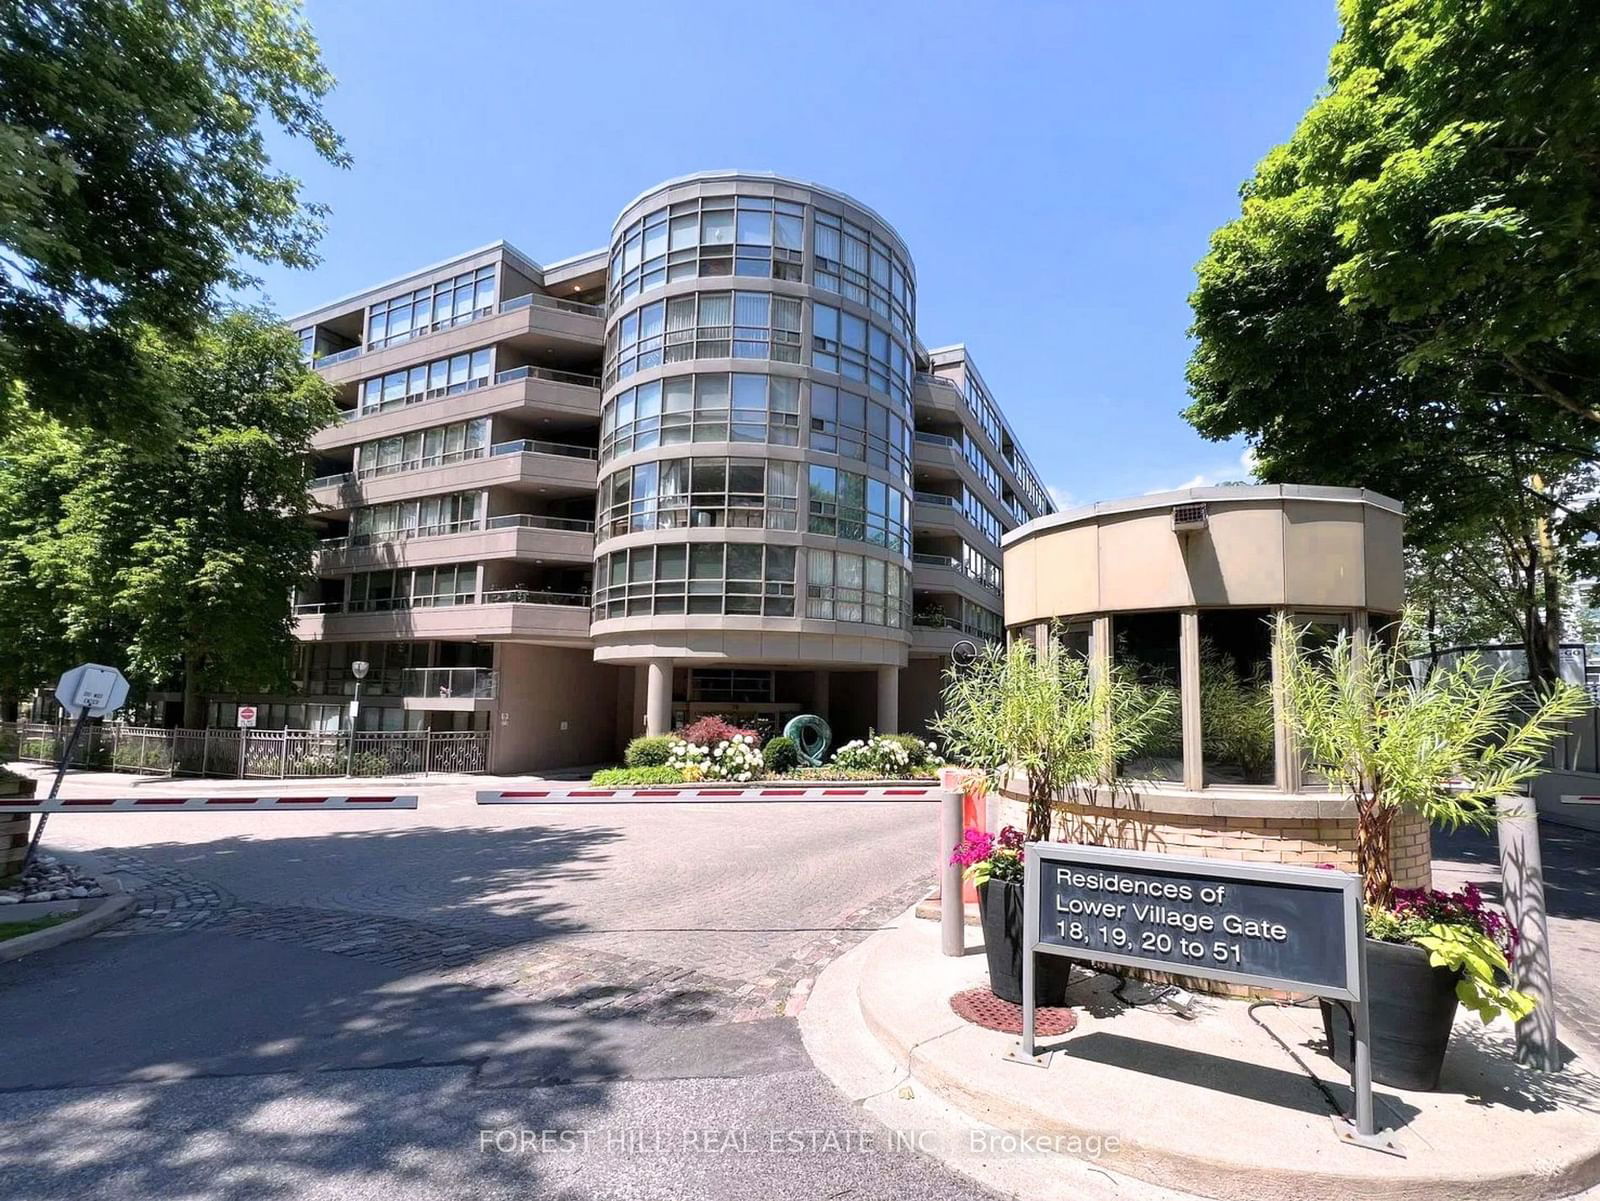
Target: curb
<point>111,909</point>
<point>857,1031</point>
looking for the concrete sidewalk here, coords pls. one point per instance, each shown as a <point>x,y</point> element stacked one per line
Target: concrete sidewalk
<point>1238,1102</point>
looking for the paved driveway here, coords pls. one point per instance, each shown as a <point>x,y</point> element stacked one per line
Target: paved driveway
<point>565,1001</point>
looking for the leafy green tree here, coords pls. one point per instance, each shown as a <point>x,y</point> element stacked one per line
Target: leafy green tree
<point>1444,746</point>
<point>1410,297</point>
<point>1045,715</point>
<point>192,552</point>
<point>40,461</point>
<point>134,177</point>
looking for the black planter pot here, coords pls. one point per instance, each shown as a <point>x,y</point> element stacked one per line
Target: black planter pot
<point>1412,1007</point>
<point>1000,906</point>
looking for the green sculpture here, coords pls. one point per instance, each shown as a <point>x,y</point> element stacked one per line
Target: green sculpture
<point>811,737</point>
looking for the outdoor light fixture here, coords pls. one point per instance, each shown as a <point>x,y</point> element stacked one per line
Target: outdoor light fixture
<point>358,668</point>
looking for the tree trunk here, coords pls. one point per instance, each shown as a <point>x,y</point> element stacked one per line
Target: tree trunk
<point>194,716</point>
<point>1039,815</point>
<point>1544,606</point>
<point>1373,825</point>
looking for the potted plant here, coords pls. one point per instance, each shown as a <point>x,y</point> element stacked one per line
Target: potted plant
<point>994,865</point>
<point>1443,744</point>
<point>1043,715</point>
<point>1467,947</point>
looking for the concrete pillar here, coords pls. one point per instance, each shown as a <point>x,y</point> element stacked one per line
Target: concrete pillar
<point>1189,696</point>
<point>1522,888</point>
<point>819,693</point>
<point>658,697</point>
<point>888,700</point>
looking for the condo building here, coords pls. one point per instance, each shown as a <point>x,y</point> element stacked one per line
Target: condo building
<point>708,469</point>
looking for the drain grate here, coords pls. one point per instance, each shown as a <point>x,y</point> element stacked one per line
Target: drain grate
<point>982,1008</point>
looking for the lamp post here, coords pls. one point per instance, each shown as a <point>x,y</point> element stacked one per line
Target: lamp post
<point>358,668</point>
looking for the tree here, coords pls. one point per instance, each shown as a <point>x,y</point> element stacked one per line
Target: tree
<point>192,552</point>
<point>1410,297</point>
<point>133,177</point>
<point>40,462</point>
<point>1445,746</point>
<point>1047,716</point>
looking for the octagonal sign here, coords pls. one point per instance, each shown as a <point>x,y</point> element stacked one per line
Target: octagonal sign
<point>94,687</point>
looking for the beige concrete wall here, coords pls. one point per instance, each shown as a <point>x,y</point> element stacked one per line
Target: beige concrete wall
<point>557,708</point>
<point>1270,546</point>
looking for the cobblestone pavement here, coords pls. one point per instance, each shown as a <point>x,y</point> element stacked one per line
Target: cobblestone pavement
<point>692,913</point>
<point>1572,898</point>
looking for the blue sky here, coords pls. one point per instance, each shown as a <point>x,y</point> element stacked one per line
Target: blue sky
<point>1055,168</point>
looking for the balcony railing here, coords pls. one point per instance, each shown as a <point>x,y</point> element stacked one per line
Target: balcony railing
<point>512,374</point>
<point>950,563</point>
<point>529,596</point>
<point>328,481</point>
<point>497,596</point>
<point>536,522</point>
<point>937,498</point>
<point>449,683</point>
<point>941,440</point>
<point>532,446</point>
<point>540,300</point>
<point>503,522</point>
<point>923,560</point>
<point>342,356</point>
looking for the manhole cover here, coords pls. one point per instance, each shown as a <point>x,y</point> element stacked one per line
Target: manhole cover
<point>982,1008</point>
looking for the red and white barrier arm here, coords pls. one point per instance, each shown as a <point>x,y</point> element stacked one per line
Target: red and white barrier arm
<point>771,793</point>
<point>211,804</point>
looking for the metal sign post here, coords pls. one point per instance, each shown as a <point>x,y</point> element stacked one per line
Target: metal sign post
<point>1291,928</point>
<point>88,690</point>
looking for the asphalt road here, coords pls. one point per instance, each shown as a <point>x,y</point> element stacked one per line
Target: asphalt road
<point>562,1002</point>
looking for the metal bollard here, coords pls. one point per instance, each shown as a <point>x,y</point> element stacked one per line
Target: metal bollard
<point>952,913</point>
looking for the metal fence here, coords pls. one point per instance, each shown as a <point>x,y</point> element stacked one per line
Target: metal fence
<point>250,754</point>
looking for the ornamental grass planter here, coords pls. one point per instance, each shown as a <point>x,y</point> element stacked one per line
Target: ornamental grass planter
<point>1000,907</point>
<point>1412,1006</point>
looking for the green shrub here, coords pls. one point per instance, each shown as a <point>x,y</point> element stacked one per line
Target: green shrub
<point>781,754</point>
<point>922,754</point>
<point>831,773</point>
<point>633,777</point>
<point>653,750</point>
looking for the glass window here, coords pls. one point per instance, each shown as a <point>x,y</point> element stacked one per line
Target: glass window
<point>1145,648</point>
<point>1238,733</point>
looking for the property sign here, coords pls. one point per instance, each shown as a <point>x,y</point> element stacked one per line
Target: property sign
<point>1293,928</point>
<point>1278,927</point>
<point>247,716</point>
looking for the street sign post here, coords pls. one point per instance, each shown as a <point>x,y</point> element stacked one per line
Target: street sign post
<point>1291,928</point>
<point>88,690</point>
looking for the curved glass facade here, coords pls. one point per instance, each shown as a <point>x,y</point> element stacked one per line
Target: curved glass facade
<point>767,326</point>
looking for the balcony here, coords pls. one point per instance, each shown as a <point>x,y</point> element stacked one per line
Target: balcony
<point>534,320</point>
<point>517,615</point>
<point>568,395</point>
<point>508,536</point>
<point>947,573</point>
<point>448,688</point>
<point>557,467</point>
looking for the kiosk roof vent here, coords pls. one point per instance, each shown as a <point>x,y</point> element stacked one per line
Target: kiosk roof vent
<point>1191,516</point>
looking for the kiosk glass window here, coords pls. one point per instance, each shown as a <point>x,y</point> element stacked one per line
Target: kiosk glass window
<point>1145,649</point>
<point>1237,724</point>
